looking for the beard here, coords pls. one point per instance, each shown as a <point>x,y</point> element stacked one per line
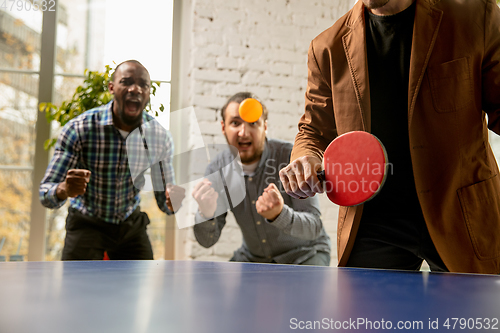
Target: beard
<point>133,121</point>
<point>375,4</point>
<point>257,153</point>
<point>130,121</point>
<point>252,158</point>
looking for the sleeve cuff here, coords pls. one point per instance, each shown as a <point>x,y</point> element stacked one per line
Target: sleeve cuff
<point>284,219</point>
<point>200,219</point>
<point>167,210</point>
<point>52,198</point>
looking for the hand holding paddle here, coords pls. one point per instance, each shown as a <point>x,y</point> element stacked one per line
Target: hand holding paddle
<point>300,179</point>
<point>355,170</point>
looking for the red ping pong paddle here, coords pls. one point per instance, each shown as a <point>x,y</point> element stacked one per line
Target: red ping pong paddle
<point>355,168</point>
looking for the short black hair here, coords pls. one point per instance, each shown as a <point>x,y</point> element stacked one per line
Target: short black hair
<point>127,61</point>
<point>240,97</point>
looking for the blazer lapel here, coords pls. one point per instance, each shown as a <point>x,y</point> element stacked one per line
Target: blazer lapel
<point>425,31</point>
<point>354,43</point>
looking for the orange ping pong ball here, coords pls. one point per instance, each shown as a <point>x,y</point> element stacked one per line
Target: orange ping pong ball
<point>250,110</point>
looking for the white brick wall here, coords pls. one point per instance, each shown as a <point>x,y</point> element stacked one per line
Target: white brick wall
<point>258,46</point>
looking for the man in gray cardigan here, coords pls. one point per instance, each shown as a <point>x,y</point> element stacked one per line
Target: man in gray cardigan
<point>276,228</point>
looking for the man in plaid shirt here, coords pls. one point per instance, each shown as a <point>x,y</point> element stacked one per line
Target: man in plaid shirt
<point>91,167</point>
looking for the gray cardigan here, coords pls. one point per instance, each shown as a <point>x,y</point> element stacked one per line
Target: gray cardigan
<point>293,237</point>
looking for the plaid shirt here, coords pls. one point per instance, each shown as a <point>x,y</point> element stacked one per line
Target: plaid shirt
<point>91,141</point>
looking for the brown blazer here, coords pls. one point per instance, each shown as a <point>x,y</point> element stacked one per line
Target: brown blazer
<point>454,82</point>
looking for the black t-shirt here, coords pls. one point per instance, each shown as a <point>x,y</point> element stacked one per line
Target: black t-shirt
<point>388,42</point>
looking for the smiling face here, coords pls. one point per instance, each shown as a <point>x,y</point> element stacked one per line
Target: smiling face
<point>248,138</point>
<point>130,87</point>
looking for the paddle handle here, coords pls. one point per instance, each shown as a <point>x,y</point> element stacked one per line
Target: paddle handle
<point>321,176</point>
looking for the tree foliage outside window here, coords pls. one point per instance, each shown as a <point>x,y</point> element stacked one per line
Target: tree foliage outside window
<point>15,187</point>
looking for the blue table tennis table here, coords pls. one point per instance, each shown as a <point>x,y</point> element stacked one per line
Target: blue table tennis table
<point>195,296</point>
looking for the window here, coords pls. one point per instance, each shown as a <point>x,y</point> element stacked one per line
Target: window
<point>90,35</point>
<point>20,43</point>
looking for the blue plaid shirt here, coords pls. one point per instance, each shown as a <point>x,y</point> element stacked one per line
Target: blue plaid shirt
<point>91,141</point>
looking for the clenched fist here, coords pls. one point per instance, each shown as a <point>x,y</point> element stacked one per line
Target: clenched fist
<point>270,203</point>
<point>206,197</point>
<point>175,194</point>
<point>74,185</point>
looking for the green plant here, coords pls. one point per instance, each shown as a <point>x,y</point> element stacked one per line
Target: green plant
<point>93,93</point>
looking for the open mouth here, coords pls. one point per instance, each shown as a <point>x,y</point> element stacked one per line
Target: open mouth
<point>133,105</point>
<point>244,145</point>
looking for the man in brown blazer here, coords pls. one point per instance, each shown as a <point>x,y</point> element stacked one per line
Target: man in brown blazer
<point>421,75</point>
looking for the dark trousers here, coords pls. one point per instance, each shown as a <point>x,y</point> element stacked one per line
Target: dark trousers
<point>87,238</point>
<point>394,243</point>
